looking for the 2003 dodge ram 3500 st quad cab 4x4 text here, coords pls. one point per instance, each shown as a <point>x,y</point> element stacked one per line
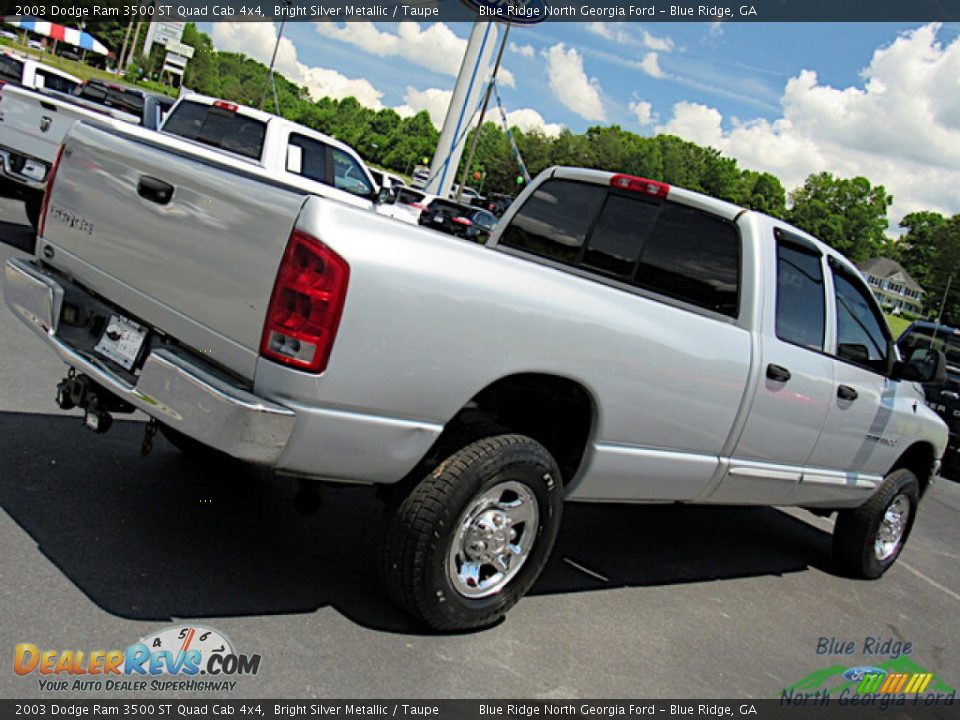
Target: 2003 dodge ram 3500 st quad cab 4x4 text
<point>616,340</point>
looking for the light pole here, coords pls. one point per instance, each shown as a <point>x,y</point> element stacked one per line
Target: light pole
<point>273,59</point>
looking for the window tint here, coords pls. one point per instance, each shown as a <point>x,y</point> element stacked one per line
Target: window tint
<point>554,221</point>
<point>860,335</point>
<point>11,69</point>
<point>800,298</point>
<point>113,96</point>
<point>692,256</point>
<point>313,158</point>
<point>616,241</point>
<point>217,127</point>
<point>667,248</point>
<point>349,175</point>
<point>57,83</point>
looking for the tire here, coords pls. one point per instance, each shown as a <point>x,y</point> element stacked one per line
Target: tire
<point>465,503</point>
<point>192,449</point>
<point>858,531</point>
<point>32,205</point>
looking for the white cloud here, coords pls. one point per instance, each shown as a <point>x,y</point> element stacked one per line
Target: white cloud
<point>643,111</point>
<point>434,100</point>
<point>526,51</point>
<point>651,65</point>
<point>900,128</point>
<point>529,120</point>
<point>663,44</point>
<point>617,32</point>
<point>570,83</point>
<point>436,48</point>
<point>258,40</point>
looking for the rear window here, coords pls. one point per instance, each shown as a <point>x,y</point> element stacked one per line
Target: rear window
<point>58,83</point>
<point>11,69</point>
<point>113,96</point>
<point>217,127</point>
<point>408,196</point>
<point>448,207</point>
<point>670,249</point>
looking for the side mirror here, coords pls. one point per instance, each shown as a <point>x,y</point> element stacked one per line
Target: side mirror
<point>924,365</point>
<point>387,196</point>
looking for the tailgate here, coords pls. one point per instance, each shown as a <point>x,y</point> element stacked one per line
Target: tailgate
<point>32,125</point>
<point>200,266</point>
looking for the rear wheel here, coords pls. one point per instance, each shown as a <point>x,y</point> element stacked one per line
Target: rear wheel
<point>471,538</point>
<point>868,540</point>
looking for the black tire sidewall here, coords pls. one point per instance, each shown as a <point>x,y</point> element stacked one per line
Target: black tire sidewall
<point>517,464</point>
<point>901,482</point>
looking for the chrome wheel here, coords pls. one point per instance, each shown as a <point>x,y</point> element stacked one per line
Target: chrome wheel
<point>892,528</point>
<point>493,539</point>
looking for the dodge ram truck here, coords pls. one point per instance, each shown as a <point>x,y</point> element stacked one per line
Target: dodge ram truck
<point>33,124</point>
<point>615,340</point>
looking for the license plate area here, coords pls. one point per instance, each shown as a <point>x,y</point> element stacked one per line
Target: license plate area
<point>121,341</point>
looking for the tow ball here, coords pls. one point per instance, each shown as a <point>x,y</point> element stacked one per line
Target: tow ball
<point>79,391</point>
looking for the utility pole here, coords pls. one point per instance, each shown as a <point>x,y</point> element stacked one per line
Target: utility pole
<point>123,49</point>
<point>943,303</point>
<point>273,59</point>
<point>483,112</point>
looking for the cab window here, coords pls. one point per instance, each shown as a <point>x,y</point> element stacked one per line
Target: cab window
<point>801,303</point>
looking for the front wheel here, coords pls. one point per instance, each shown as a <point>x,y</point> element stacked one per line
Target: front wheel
<point>867,540</point>
<point>472,537</point>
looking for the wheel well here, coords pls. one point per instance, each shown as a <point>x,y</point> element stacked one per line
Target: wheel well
<point>556,412</point>
<point>918,458</point>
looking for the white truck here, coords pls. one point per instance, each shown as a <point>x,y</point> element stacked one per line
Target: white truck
<point>286,151</point>
<point>33,123</point>
<point>21,71</point>
<point>616,340</point>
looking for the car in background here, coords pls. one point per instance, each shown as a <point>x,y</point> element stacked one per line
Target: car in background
<point>386,179</point>
<point>497,203</point>
<point>420,177</point>
<point>943,398</point>
<point>35,45</point>
<point>408,206</point>
<point>9,35</point>
<point>464,221</point>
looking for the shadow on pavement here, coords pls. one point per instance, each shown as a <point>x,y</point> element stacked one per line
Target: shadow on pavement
<point>157,538</point>
<point>22,237</point>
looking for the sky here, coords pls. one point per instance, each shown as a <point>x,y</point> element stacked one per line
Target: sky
<point>873,99</point>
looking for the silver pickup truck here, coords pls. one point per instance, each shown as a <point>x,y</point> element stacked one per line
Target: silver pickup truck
<point>616,340</point>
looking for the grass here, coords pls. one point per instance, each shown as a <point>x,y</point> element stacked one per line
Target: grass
<point>81,69</point>
<point>897,324</point>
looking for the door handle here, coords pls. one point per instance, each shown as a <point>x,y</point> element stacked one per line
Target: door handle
<point>845,392</point>
<point>154,190</point>
<point>778,373</point>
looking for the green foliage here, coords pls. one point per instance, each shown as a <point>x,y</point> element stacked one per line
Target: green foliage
<point>850,215</point>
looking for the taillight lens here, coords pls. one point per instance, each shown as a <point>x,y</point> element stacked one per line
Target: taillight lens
<point>639,184</point>
<point>306,304</point>
<point>462,221</point>
<point>418,206</point>
<point>51,176</point>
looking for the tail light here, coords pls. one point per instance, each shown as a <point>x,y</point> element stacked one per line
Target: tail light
<point>640,185</point>
<point>51,176</point>
<point>462,221</point>
<point>306,304</point>
<point>418,206</point>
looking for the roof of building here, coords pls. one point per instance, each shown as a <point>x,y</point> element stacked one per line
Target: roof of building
<point>882,267</point>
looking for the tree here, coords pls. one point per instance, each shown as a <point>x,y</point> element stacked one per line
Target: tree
<point>918,248</point>
<point>850,215</point>
<point>945,269</point>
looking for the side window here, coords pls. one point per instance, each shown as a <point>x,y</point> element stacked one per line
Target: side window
<point>694,257</point>
<point>349,175</point>
<point>860,328</point>
<point>312,158</point>
<point>801,304</point>
<point>56,82</point>
<point>553,222</point>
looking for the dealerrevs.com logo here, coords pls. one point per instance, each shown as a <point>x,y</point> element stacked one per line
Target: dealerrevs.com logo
<point>188,658</point>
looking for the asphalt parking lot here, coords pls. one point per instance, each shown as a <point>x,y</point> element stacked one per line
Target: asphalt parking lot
<point>101,547</point>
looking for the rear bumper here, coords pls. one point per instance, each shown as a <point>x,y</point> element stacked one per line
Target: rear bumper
<point>171,387</point>
<point>7,156</point>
